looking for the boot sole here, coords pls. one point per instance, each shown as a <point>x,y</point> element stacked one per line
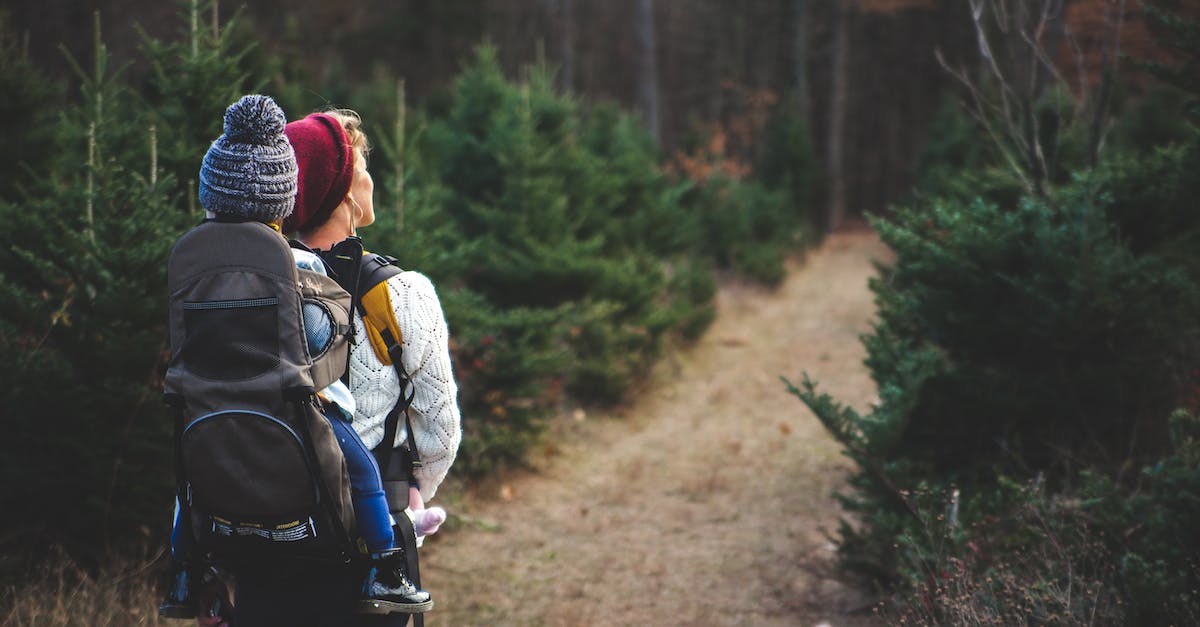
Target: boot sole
<point>373,606</point>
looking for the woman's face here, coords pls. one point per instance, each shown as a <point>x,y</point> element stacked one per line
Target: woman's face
<point>362,189</point>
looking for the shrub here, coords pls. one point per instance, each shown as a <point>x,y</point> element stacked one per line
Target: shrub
<point>787,162</point>
<point>1148,529</point>
<point>1152,203</point>
<point>1044,337</point>
<point>743,218</point>
<point>27,115</point>
<point>747,227</point>
<point>1105,552</point>
<point>1015,340</point>
<point>1014,557</point>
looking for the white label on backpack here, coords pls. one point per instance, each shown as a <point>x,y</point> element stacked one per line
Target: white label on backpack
<point>293,531</point>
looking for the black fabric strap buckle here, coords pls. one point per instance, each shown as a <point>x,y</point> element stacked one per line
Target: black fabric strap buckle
<point>299,393</point>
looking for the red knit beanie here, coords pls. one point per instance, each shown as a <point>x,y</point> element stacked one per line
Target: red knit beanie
<point>326,162</point>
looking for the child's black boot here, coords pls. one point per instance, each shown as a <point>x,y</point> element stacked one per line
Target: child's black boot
<point>387,589</point>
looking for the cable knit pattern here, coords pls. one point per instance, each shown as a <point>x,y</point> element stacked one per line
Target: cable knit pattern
<point>376,388</point>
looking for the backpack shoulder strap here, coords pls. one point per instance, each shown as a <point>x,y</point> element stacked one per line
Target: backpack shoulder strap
<point>387,340</point>
<point>365,276</point>
<point>375,306</point>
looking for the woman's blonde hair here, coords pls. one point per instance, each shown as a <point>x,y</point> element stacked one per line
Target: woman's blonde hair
<point>352,122</point>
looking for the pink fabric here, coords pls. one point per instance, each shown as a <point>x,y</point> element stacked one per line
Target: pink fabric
<point>428,521</point>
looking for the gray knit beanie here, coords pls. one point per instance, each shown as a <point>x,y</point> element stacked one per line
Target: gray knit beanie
<point>250,171</point>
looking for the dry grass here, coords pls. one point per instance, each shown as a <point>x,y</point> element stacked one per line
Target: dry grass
<point>61,593</point>
<point>1037,563</point>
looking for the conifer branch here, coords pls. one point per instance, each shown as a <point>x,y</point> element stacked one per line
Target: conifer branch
<point>99,64</point>
<point>91,166</point>
<point>153,156</point>
<point>194,32</point>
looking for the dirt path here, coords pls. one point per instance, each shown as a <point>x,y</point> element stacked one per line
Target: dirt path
<point>704,502</point>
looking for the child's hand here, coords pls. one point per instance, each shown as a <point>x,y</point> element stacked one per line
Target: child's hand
<point>428,521</point>
<point>425,521</point>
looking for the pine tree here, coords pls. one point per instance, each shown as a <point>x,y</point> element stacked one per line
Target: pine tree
<point>191,83</point>
<point>27,114</point>
<point>82,293</point>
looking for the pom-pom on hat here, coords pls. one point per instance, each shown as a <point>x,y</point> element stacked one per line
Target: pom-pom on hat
<point>250,171</point>
<point>326,161</point>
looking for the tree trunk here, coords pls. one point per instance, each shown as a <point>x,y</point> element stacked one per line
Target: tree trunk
<point>566,73</point>
<point>837,116</point>
<point>800,60</point>
<point>648,74</point>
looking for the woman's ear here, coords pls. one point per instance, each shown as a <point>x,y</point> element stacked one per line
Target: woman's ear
<point>356,213</point>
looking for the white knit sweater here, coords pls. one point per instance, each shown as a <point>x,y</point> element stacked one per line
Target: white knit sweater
<point>376,387</point>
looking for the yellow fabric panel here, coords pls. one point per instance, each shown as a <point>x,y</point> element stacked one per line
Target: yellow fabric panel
<point>377,303</point>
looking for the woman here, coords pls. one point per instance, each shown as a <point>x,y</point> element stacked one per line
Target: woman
<point>334,200</point>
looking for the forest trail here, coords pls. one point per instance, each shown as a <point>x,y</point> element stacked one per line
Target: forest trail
<point>705,501</point>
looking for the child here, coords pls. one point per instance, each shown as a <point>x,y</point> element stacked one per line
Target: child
<point>253,142</point>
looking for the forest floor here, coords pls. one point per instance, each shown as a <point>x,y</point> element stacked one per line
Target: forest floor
<point>705,501</point>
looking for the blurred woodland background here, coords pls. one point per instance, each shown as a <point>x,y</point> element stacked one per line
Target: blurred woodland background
<point>693,70</point>
<point>575,176</point>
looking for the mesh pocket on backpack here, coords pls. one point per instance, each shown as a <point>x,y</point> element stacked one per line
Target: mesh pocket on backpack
<point>227,340</point>
<point>318,327</point>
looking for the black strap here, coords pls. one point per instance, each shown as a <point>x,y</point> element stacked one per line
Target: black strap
<point>392,422</point>
<point>176,403</point>
<point>374,269</point>
<point>384,454</point>
<point>408,536</point>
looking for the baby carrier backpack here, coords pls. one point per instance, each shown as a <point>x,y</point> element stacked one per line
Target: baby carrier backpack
<point>260,473</point>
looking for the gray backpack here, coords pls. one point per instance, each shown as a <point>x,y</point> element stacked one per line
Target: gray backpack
<point>259,470</point>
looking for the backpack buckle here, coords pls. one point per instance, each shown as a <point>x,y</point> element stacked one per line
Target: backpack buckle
<point>299,394</point>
